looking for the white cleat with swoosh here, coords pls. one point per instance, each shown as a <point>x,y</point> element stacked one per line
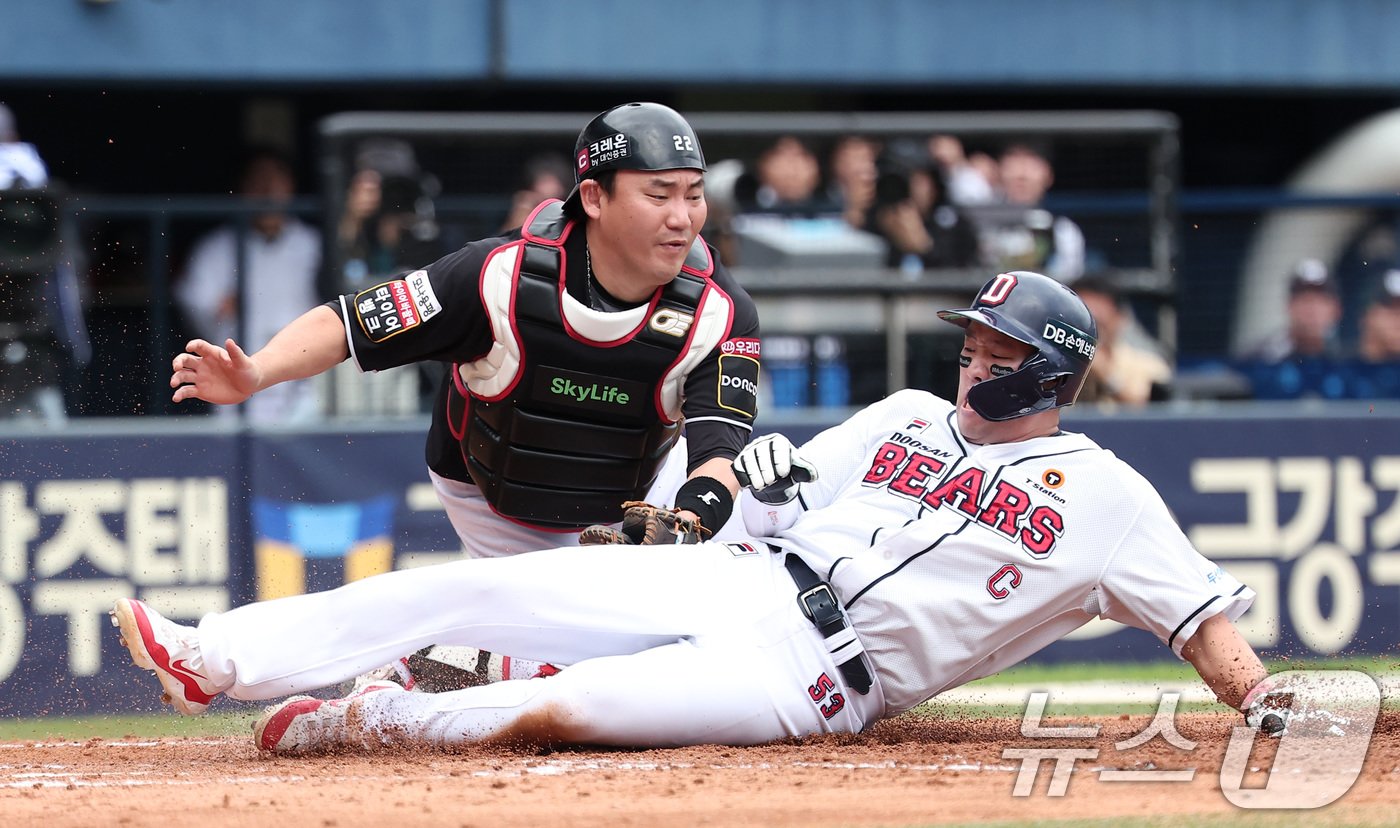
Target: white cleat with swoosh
<point>169,650</point>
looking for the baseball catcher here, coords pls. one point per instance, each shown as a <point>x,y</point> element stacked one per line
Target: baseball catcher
<point>937,542</point>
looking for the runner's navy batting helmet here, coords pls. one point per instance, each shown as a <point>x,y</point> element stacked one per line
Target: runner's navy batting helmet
<point>1046,315</point>
<point>634,136</point>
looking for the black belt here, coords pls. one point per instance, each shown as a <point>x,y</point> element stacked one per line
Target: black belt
<point>820,606</point>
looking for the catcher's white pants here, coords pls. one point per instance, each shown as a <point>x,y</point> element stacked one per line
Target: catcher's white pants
<point>668,646</point>
<point>484,534</point>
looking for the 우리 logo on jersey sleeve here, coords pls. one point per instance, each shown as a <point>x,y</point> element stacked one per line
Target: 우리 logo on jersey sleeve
<point>391,308</point>
<point>743,346</point>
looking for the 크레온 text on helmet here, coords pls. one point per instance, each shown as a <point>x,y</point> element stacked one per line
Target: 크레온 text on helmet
<point>603,151</point>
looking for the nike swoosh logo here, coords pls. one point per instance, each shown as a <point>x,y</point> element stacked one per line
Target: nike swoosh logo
<point>190,679</point>
<point>161,657</point>
<point>179,668</point>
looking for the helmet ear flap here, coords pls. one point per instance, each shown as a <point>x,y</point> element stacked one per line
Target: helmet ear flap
<point>1034,309</point>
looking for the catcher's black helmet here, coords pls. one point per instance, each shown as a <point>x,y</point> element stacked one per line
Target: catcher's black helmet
<point>1046,315</point>
<point>634,136</point>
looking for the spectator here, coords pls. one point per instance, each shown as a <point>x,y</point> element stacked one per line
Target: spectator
<point>786,181</point>
<point>913,214</point>
<point>390,222</point>
<point>280,257</point>
<point>1019,234</point>
<point>972,178</point>
<point>1380,325</point>
<point>20,164</point>
<point>1124,370</point>
<point>545,177</point>
<point>852,176</point>
<point>1314,312</point>
<point>1305,358</point>
<point>43,334</point>
<point>1377,372</point>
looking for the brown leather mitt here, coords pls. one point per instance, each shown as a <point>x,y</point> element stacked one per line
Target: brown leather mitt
<point>646,525</point>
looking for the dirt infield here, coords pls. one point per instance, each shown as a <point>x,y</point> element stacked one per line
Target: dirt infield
<point>907,771</point>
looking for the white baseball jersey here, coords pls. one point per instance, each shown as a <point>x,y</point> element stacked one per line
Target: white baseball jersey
<point>954,561</point>
<point>957,560</point>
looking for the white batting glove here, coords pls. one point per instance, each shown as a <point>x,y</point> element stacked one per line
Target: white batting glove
<point>1267,711</point>
<point>771,467</point>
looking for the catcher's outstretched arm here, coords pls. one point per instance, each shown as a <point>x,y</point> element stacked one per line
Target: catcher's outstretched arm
<point>312,343</point>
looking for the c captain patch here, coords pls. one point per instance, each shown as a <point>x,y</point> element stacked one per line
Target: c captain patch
<point>393,307</point>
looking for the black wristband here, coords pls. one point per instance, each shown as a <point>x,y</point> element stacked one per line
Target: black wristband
<point>708,498</point>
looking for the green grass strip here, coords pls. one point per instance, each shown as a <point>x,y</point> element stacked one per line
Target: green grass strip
<point>128,726</point>
<point>1173,670</point>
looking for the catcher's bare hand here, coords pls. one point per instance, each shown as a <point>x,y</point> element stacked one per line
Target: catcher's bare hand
<point>771,467</point>
<point>207,372</point>
<point>646,525</point>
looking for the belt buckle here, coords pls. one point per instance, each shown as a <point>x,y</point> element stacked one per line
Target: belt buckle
<point>806,598</point>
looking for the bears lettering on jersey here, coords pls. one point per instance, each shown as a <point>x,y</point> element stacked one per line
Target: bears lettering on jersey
<point>1008,509</point>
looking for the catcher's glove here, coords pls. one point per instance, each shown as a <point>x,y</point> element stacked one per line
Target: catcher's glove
<point>646,525</point>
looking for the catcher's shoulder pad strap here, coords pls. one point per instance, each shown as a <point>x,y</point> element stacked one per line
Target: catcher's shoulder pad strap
<point>698,260</point>
<point>547,224</point>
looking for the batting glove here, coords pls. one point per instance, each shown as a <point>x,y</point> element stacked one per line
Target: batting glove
<point>1275,710</point>
<point>1267,710</point>
<point>771,467</point>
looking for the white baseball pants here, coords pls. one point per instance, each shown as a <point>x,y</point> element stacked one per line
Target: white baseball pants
<point>667,646</point>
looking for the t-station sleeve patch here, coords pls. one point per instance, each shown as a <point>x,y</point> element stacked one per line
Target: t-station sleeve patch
<point>738,384</point>
<point>394,307</point>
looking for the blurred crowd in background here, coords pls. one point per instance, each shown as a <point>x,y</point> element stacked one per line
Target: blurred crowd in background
<point>912,207</point>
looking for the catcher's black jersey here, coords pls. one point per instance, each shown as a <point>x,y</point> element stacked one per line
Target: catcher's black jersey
<point>439,314</point>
